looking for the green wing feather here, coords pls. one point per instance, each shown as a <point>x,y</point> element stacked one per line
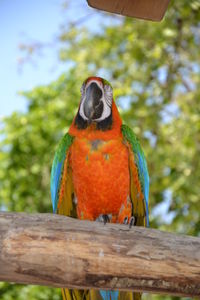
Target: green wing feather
<point>140,162</point>
<point>58,166</point>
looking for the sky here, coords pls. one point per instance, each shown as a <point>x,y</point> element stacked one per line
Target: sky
<point>23,21</point>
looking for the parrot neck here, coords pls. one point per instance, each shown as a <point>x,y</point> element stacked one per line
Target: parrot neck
<point>93,131</point>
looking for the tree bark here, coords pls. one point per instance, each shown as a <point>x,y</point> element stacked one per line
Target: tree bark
<point>58,251</point>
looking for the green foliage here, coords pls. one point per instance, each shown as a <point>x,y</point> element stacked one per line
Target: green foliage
<point>154,69</point>
<point>28,292</point>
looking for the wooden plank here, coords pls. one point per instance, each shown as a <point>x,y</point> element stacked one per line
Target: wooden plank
<point>143,9</point>
<point>58,251</point>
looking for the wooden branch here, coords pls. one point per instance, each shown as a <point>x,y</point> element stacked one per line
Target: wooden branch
<point>54,250</point>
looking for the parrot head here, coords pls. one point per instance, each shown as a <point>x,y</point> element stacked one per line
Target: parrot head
<point>96,104</point>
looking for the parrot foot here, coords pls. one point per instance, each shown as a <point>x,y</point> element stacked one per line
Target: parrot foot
<point>104,218</point>
<point>131,221</point>
<point>125,221</point>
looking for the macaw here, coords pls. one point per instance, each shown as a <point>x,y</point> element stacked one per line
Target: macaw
<point>99,172</point>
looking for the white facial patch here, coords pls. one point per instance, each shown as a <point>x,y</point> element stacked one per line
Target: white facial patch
<point>107,97</point>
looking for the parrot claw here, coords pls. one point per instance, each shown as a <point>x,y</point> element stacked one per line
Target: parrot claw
<point>125,221</point>
<point>130,222</point>
<point>104,218</point>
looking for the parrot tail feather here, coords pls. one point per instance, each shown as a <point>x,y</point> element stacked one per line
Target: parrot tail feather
<point>74,294</point>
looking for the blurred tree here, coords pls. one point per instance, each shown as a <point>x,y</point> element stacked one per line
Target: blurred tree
<point>155,72</point>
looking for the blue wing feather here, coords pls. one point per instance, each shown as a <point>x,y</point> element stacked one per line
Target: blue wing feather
<point>144,175</point>
<point>55,183</point>
<point>109,295</point>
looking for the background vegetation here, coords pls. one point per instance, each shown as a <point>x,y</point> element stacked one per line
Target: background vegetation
<point>155,72</point>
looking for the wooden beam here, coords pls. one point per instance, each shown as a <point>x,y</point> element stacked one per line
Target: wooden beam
<point>54,250</point>
<point>144,9</point>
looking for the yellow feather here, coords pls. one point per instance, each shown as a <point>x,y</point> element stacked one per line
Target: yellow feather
<point>67,206</point>
<point>129,296</point>
<point>137,197</point>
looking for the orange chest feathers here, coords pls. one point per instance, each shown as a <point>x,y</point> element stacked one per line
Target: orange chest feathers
<point>100,176</point>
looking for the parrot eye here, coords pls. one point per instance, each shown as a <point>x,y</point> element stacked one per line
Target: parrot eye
<point>108,94</point>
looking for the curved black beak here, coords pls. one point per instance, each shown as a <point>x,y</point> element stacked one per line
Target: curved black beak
<point>93,107</point>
